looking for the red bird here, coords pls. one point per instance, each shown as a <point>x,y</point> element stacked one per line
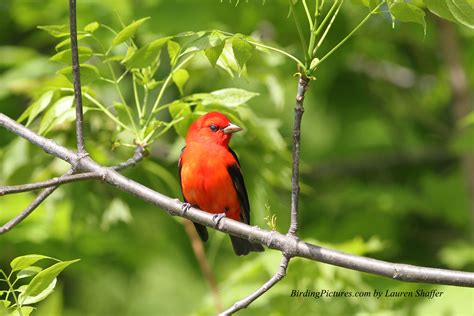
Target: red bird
<point>210,175</point>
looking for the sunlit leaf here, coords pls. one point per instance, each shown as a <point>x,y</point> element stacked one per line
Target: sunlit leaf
<point>28,272</point>
<point>64,56</point>
<point>242,49</point>
<point>181,110</point>
<point>180,77</point>
<point>462,11</point>
<point>23,262</point>
<point>45,278</point>
<point>214,53</point>
<point>88,72</point>
<point>67,41</point>
<point>56,111</point>
<point>56,30</point>
<point>146,55</point>
<point>128,32</point>
<point>407,12</point>
<point>92,27</point>
<point>173,51</point>
<point>37,107</point>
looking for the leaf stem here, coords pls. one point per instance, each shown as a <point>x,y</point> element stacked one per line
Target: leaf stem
<point>308,15</point>
<point>321,40</point>
<point>163,88</point>
<point>135,94</point>
<point>352,32</point>
<point>300,31</point>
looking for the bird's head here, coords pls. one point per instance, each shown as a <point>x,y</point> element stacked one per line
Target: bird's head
<point>213,127</point>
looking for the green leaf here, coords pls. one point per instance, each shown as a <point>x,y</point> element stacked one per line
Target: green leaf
<point>27,300</point>
<point>67,41</point>
<point>462,11</point>
<point>56,111</point>
<point>242,49</point>
<point>231,97</point>
<point>23,262</point>
<point>214,53</point>
<point>204,42</point>
<point>440,8</point>
<point>180,77</point>
<point>37,107</point>
<point>56,30</point>
<point>181,111</point>
<point>92,27</point>
<point>65,56</point>
<point>128,32</point>
<point>173,51</point>
<point>25,311</point>
<point>45,278</point>
<point>28,272</point>
<point>122,113</point>
<point>407,12</point>
<point>89,73</point>
<point>371,4</point>
<point>146,55</point>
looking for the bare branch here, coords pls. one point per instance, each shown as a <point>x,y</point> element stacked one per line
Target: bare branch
<point>4,190</point>
<point>295,179</point>
<point>30,208</point>
<point>268,285</point>
<point>76,77</point>
<point>287,244</point>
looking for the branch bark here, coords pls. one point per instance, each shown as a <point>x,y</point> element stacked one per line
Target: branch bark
<point>272,239</point>
<point>76,78</point>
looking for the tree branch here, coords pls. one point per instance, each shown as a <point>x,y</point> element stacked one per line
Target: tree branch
<point>29,209</point>
<point>272,239</point>
<point>67,178</point>
<point>54,183</point>
<point>76,76</point>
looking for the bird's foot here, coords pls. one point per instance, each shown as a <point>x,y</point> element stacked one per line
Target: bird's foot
<point>217,219</point>
<point>185,207</point>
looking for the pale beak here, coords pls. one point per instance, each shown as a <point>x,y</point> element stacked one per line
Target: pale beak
<point>231,128</point>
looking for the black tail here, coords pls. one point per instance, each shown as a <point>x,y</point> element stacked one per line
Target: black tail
<point>202,231</point>
<point>242,247</point>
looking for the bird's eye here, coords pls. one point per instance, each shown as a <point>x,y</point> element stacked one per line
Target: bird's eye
<point>214,128</point>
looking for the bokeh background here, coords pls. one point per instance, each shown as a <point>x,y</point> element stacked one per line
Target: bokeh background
<point>387,165</point>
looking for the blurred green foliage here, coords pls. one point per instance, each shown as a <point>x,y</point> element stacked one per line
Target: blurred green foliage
<point>381,158</point>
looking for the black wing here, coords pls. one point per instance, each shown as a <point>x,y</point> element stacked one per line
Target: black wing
<point>201,229</point>
<point>239,184</point>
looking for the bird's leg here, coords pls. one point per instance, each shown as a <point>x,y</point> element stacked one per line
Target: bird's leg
<point>217,219</point>
<point>185,207</point>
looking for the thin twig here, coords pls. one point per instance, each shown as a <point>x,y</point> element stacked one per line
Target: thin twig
<point>268,285</point>
<point>53,184</point>
<point>30,208</point>
<point>295,187</point>
<point>4,190</point>
<point>76,77</point>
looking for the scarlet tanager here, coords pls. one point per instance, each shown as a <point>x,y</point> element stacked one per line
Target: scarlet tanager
<point>210,175</point>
